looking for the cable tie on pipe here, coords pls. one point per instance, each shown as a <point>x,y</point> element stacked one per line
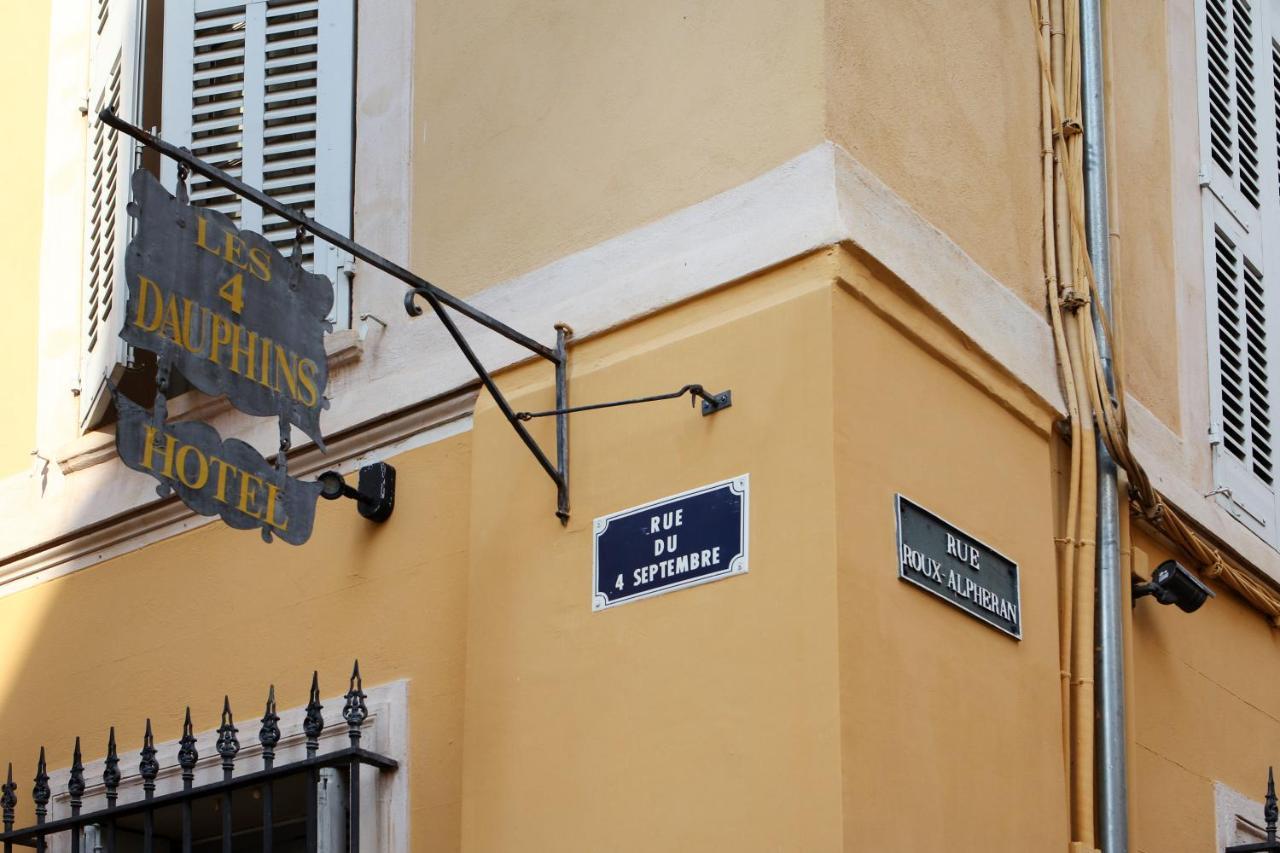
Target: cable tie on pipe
<point>1073,301</point>
<point>1071,127</point>
<point>1064,540</point>
<point>1215,569</point>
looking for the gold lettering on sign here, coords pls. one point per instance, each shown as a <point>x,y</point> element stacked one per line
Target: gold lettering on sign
<point>235,251</point>
<point>204,332</point>
<point>148,290</point>
<point>169,442</point>
<point>174,459</point>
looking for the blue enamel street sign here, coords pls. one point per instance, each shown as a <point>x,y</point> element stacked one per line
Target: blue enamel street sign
<point>687,539</point>
<point>940,558</point>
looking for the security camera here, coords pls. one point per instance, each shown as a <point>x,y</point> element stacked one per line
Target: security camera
<point>1173,584</point>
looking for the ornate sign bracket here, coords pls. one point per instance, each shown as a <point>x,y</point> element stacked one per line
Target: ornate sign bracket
<point>439,300</point>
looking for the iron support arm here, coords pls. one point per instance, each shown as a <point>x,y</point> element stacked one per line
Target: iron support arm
<point>562,484</point>
<point>266,202</point>
<point>711,403</point>
<point>418,286</point>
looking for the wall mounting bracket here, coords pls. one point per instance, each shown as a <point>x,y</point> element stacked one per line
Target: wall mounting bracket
<point>375,493</point>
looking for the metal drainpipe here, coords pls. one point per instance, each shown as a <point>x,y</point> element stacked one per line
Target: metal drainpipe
<point>1112,793</point>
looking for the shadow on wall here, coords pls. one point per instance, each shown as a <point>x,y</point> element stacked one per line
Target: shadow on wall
<point>216,611</point>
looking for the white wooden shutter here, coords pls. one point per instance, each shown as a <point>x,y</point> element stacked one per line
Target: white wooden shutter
<point>1238,177</point>
<point>264,90</point>
<point>114,68</point>
<point>1242,377</point>
<point>1230,49</point>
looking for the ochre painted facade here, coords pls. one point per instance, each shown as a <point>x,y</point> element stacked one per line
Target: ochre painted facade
<point>21,174</point>
<point>816,703</point>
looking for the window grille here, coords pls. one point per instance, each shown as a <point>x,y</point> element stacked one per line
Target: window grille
<point>180,820</point>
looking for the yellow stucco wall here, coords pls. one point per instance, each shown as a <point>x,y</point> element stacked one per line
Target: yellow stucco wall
<point>705,719</point>
<point>942,102</point>
<point>941,715</point>
<point>1143,172</point>
<point>24,65</point>
<point>544,128</point>
<point>1206,709</point>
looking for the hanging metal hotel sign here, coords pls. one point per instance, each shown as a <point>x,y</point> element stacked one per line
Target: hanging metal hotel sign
<point>234,317</point>
<point>231,313</point>
<point>216,477</point>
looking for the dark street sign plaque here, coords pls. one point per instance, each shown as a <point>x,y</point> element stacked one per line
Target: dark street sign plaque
<point>229,312</point>
<point>684,540</point>
<point>216,477</point>
<point>940,558</point>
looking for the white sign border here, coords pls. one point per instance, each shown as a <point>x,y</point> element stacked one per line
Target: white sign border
<point>737,566</point>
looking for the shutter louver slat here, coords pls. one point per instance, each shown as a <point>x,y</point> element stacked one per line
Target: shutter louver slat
<point>1246,101</point>
<point>1243,358</point>
<point>1220,100</point>
<point>1231,393</point>
<point>1275,99</point>
<point>289,120</point>
<point>1259,372</point>
<point>217,101</point>
<point>102,217</point>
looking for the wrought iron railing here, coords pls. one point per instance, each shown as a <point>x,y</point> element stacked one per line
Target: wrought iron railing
<point>297,777</point>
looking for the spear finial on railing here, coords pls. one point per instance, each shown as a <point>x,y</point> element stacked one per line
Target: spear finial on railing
<point>269,734</point>
<point>1271,811</point>
<point>148,767</point>
<point>355,711</point>
<point>228,743</point>
<point>313,722</point>
<point>187,754</point>
<point>40,793</point>
<point>9,799</point>
<point>111,770</point>
<point>75,786</point>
